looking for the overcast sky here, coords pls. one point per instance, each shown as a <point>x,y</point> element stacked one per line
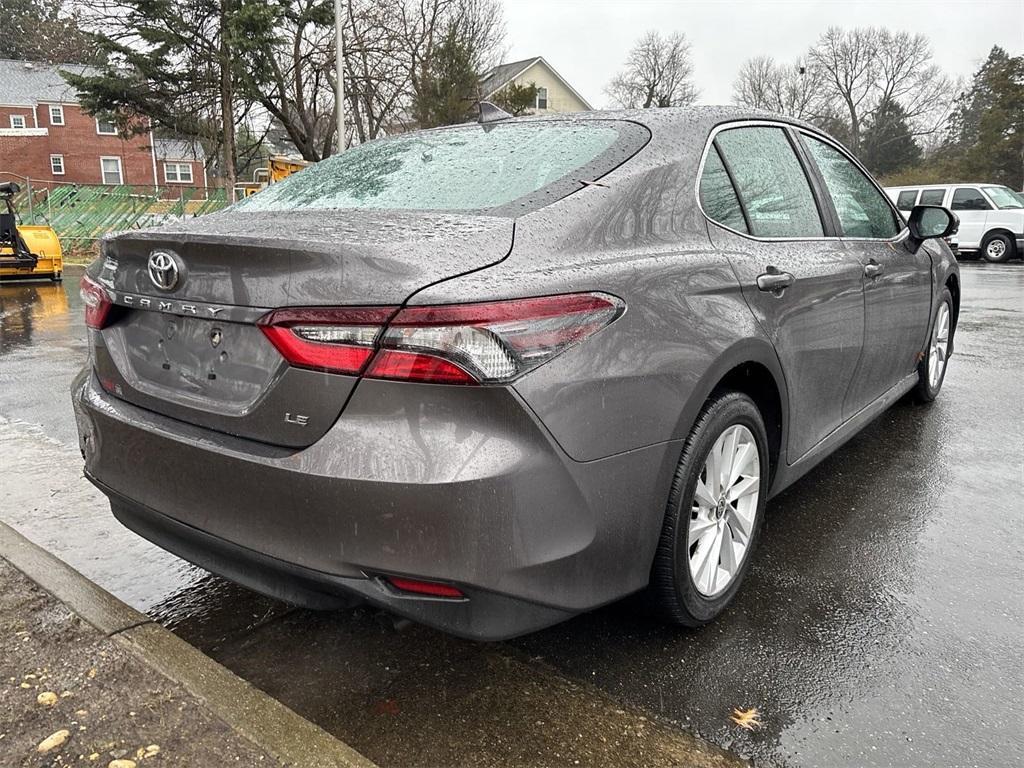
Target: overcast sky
<point>586,41</point>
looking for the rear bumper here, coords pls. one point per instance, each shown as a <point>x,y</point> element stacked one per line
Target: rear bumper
<point>454,484</point>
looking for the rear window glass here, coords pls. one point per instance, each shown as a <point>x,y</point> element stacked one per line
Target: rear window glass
<point>771,183</point>
<point>932,196</point>
<point>463,168</point>
<point>906,199</point>
<point>718,196</point>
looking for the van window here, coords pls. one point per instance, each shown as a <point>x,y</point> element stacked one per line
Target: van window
<point>771,183</point>
<point>969,199</point>
<point>906,199</point>
<point>933,196</point>
<point>717,196</point>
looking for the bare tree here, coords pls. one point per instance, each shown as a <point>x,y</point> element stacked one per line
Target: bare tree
<point>763,83</point>
<point>658,73</point>
<point>865,68</point>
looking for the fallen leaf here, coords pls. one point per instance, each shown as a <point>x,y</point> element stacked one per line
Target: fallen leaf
<point>152,750</point>
<point>122,764</point>
<point>47,698</point>
<point>53,741</point>
<point>386,707</point>
<point>747,718</point>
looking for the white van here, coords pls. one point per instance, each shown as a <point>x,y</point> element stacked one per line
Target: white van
<point>991,215</point>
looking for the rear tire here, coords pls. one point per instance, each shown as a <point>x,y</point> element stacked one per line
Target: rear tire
<point>931,371</point>
<point>712,526</point>
<point>997,248</point>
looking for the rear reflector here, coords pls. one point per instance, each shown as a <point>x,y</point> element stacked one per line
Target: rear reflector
<point>431,588</point>
<point>97,302</point>
<point>486,343</point>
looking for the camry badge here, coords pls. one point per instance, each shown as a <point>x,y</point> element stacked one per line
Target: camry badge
<point>163,270</point>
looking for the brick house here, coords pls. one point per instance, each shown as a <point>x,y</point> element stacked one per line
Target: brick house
<point>47,136</point>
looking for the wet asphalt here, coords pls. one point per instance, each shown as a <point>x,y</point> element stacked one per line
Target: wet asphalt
<point>880,624</point>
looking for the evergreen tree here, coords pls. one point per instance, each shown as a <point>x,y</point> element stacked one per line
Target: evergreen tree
<point>43,30</point>
<point>987,125</point>
<point>446,90</point>
<point>887,145</point>
<point>517,99</point>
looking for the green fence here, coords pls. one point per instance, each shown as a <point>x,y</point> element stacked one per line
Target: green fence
<point>83,212</point>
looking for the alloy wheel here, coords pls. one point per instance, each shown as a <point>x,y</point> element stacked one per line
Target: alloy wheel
<point>939,349</point>
<point>723,511</point>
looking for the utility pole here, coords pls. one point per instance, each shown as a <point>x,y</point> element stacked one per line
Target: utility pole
<point>339,65</point>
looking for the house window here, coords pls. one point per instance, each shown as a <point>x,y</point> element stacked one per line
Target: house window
<point>106,127</point>
<point>57,165</point>
<point>542,98</point>
<point>17,121</point>
<point>110,167</point>
<point>56,114</point>
<point>178,173</point>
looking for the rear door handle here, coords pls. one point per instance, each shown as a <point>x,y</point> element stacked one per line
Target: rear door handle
<point>774,281</point>
<point>872,269</point>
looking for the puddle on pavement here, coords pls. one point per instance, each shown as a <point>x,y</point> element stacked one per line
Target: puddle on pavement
<point>874,625</point>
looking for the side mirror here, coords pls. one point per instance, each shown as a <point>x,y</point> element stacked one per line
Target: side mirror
<point>927,221</point>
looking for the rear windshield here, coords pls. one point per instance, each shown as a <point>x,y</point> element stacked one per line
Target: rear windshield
<point>462,168</point>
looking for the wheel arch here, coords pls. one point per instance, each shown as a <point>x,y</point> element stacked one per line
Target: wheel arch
<point>999,231</point>
<point>953,284</point>
<point>752,367</point>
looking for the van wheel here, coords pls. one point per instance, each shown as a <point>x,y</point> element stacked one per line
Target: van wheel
<point>997,248</point>
<point>931,371</point>
<point>714,515</point>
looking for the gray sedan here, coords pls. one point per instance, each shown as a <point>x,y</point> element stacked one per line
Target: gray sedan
<point>491,376</point>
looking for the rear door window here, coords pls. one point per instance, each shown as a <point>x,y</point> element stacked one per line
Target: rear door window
<point>863,210</point>
<point>969,199</point>
<point>460,168</point>
<point>771,183</point>
<point>933,196</point>
<point>906,199</point>
<point>717,195</point>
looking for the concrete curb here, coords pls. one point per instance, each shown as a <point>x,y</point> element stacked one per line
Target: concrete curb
<point>264,721</point>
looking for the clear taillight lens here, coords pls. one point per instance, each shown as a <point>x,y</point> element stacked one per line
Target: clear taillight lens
<point>332,340</point>
<point>497,341</point>
<point>97,302</point>
<point>486,343</point>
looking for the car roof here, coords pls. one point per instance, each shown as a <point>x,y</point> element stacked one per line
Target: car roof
<point>698,120</point>
<point>947,184</point>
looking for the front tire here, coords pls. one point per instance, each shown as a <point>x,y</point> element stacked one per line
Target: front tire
<point>931,371</point>
<point>714,515</point>
<point>997,248</point>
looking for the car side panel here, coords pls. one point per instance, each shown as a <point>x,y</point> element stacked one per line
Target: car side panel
<point>897,310</point>
<point>816,325</point>
<point>642,239</point>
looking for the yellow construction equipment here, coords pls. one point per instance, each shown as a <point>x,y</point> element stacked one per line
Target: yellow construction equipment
<point>278,167</point>
<point>26,251</point>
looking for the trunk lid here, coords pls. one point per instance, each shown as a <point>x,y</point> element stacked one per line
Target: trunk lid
<point>194,352</point>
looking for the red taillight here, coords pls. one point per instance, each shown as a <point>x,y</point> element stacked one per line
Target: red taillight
<point>430,588</point>
<point>97,302</point>
<point>413,366</point>
<point>486,343</point>
<point>498,341</point>
<point>332,340</point>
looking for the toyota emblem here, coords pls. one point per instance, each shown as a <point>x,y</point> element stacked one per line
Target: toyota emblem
<point>163,270</point>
